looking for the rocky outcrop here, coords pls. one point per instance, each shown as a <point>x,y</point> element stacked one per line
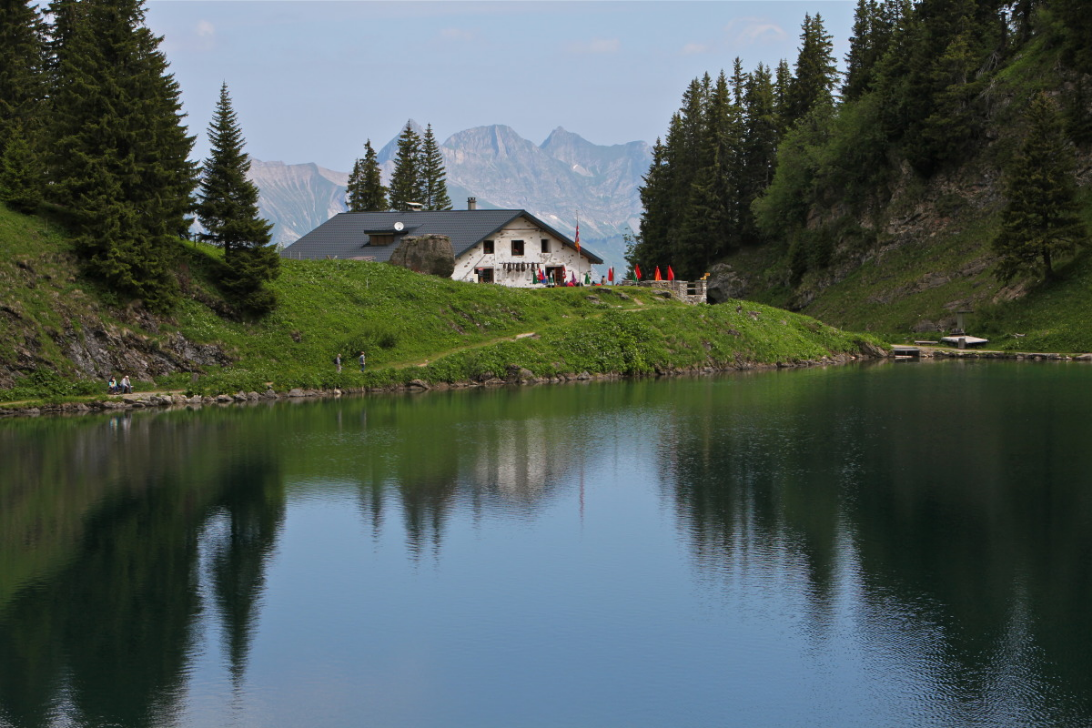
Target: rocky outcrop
<point>431,254</point>
<point>725,283</point>
<point>99,350</point>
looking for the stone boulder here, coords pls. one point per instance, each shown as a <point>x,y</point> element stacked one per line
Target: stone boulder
<point>724,284</point>
<point>431,254</point>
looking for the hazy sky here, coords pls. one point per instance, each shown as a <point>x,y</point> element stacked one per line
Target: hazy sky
<point>312,79</point>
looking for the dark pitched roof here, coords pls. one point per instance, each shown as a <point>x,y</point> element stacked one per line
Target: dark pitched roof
<point>346,235</point>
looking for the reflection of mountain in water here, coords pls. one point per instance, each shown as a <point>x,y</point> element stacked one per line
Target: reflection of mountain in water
<point>931,535</point>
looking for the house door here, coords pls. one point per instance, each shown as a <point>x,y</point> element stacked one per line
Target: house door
<point>485,275</point>
<point>556,275</point>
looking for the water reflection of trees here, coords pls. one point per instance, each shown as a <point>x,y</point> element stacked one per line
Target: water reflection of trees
<point>117,535</point>
<point>487,452</point>
<point>962,534</point>
<point>101,633</point>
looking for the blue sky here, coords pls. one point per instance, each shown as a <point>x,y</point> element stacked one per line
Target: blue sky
<point>312,79</point>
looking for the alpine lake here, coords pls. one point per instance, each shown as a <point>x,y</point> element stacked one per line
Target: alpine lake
<point>901,544</point>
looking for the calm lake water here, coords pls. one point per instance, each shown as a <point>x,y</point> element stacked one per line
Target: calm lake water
<point>894,545</point>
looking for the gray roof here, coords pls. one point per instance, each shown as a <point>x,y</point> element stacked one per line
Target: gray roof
<point>346,235</point>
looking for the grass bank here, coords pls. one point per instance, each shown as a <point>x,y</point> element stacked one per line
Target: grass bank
<point>411,326</point>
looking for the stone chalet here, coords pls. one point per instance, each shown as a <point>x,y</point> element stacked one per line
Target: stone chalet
<point>490,246</point>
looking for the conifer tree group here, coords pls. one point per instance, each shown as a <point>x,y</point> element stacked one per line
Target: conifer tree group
<point>118,153</point>
<point>91,122</point>
<point>419,176</point>
<point>775,156</point>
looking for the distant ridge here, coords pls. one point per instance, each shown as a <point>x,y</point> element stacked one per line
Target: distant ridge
<point>297,197</point>
<point>564,179</point>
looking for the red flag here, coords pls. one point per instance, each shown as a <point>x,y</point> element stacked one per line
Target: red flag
<point>610,275</point>
<point>670,274</point>
<point>658,276</point>
<point>577,236</point>
<point>637,271</point>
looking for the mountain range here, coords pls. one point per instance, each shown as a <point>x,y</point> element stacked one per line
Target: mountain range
<point>564,180</point>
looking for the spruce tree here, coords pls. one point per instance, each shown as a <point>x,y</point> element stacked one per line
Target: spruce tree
<point>22,71</point>
<point>22,96</point>
<point>406,180</point>
<point>816,73</point>
<point>228,210</point>
<point>354,190</point>
<point>759,156</point>
<point>655,216</point>
<point>782,83</point>
<point>118,151</point>
<point>21,173</point>
<point>1042,215</point>
<point>433,175</point>
<point>861,55</point>
<point>366,191</point>
<point>710,221</point>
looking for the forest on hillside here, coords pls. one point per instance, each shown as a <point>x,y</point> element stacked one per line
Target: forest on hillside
<point>806,158</point>
<point>92,134</point>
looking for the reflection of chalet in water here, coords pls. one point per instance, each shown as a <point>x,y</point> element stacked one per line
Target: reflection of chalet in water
<point>491,246</point>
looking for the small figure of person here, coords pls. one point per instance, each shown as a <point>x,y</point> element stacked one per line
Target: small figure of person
<point>126,385</point>
<point>113,384</point>
<point>337,363</point>
<point>363,361</point>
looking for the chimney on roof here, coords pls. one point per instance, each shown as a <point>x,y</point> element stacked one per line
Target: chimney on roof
<point>472,203</point>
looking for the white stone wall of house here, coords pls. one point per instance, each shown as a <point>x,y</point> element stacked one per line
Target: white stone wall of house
<point>511,269</point>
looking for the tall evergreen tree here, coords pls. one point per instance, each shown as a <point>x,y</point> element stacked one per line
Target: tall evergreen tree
<point>22,96</point>
<point>432,173</point>
<point>759,156</point>
<point>782,83</point>
<point>816,72</point>
<point>228,210</point>
<point>23,79</point>
<point>119,153</point>
<point>710,222</point>
<point>21,174</point>
<point>655,193</point>
<point>407,179</point>
<point>1042,215</point>
<point>366,191</point>
<point>355,188</point>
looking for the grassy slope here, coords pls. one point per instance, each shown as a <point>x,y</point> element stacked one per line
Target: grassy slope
<point>415,326</point>
<point>951,264</point>
<point>402,320</point>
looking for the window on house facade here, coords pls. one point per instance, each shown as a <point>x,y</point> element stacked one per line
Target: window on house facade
<point>487,247</point>
<point>517,247</point>
<point>545,245</point>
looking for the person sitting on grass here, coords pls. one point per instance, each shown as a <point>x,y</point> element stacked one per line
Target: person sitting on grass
<point>113,384</point>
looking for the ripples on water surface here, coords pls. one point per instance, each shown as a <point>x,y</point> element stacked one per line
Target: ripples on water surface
<point>882,546</point>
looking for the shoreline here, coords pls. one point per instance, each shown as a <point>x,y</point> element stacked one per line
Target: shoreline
<point>515,377</point>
